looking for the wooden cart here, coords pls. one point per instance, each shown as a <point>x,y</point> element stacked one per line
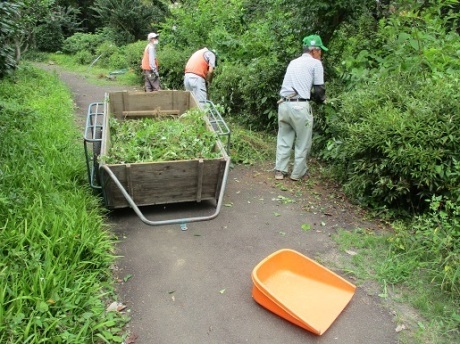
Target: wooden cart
<point>150,183</point>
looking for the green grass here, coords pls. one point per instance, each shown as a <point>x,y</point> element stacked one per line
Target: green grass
<point>56,251</point>
<point>402,280</point>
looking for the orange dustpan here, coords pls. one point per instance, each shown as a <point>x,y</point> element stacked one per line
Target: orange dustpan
<point>300,290</point>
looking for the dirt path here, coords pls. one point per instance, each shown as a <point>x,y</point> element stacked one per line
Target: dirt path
<point>194,285</point>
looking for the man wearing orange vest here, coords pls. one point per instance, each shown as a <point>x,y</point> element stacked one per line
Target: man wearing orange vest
<point>150,64</point>
<point>198,71</point>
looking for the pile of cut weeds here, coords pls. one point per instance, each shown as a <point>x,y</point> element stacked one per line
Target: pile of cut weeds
<point>159,139</point>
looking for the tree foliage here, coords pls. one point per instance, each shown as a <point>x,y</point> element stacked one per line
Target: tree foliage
<point>130,19</point>
<point>30,23</point>
<point>61,22</point>
<point>9,13</point>
<point>255,41</point>
<point>393,137</point>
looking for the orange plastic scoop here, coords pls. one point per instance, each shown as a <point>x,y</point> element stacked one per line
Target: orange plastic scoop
<point>300,290</point>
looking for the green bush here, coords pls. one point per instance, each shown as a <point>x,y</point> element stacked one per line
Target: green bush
<point>49,37</point>
<point>225,87</point>
<point>394,145</point>
<point>172,65</point>
<point>393,137</point>
<point>82,41</point>
<point>9,14</point>
<point>105,51</point>
<point>117,60</point>
<point>133,54</point>
<point>254,95</point>
<point>84,57</point>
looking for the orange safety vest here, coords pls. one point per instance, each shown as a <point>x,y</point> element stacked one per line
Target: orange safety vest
<point>146,59</point>
<point>197,64</point>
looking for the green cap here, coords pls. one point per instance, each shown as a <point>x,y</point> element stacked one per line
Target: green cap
<point>313,41</point>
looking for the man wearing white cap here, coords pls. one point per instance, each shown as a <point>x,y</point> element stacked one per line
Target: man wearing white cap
<point>150,64</point>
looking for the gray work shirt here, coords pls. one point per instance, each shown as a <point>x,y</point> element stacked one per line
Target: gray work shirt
<point>210,58</point>
<point>152,56</point>
<point>301,74</point>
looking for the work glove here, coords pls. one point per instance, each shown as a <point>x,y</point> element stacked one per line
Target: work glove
<point>154,76</point>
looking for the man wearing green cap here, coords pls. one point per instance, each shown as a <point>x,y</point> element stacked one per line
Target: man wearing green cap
<point>303,82</point>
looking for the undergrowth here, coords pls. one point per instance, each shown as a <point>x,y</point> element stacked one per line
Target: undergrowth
<point>249,147</point>
<point>403,278</point>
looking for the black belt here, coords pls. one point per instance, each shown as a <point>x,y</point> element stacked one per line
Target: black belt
<point>296,100</point>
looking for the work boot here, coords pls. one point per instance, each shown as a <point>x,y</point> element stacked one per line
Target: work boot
<point>305,176</point>
<point>279,175</point>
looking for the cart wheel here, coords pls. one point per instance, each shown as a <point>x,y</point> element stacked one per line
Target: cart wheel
<point>96,153</point>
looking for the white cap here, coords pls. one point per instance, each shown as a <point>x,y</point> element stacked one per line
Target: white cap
<point>152,35</point>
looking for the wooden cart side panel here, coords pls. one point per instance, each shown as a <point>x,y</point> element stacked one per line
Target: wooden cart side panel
<point>165,182</point>
<point>124,101</point>
<point>220,176</point>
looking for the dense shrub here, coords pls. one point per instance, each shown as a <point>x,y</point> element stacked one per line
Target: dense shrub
<point>9,13</point>
<point>117,60</point>
<point>105,51</point>
<point>133,53</point>
<point>49,37</point>
<point>395,145</point>
<point>82,41</point>
<point>393,138</point>
<point>227,92</point>
<point>172,65</point>
<point>84,57</point>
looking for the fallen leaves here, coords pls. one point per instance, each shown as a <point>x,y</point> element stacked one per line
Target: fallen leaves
<point>131,339</point>
<point>351,253</point>
<point>400,328</point>
<point>306,227</point>
<point>116,307</point>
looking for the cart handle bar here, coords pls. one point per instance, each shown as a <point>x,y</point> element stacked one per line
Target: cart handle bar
<point>174,221</point>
